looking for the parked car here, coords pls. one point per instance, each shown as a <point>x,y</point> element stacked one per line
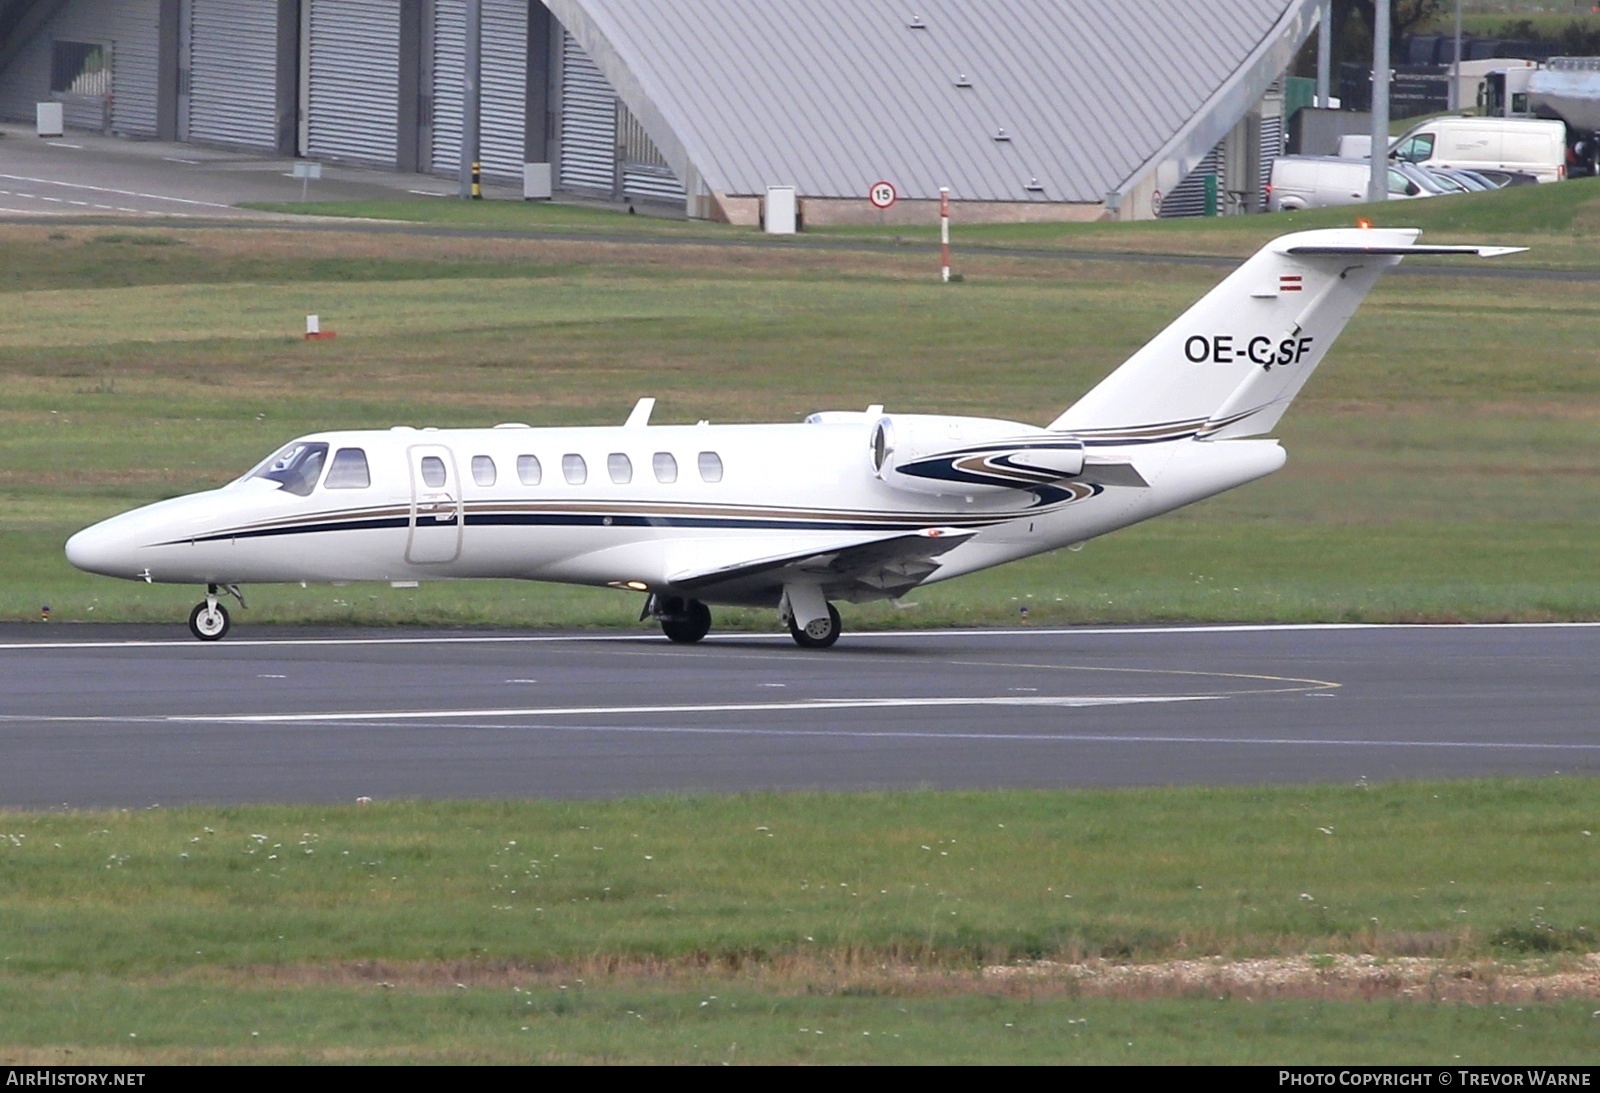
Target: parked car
<point>1507,178</point>
<point>1432,181</point>
<point>1472,180</point>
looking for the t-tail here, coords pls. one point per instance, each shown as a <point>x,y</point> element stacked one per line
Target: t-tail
<point>1232,363</point>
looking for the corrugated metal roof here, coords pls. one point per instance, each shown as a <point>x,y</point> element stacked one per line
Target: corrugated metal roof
<point>831,95</point>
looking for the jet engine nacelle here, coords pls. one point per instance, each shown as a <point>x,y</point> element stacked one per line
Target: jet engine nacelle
<point>963,456</point>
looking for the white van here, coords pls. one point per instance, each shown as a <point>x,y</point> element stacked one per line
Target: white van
<point>1355,146</point>
<point>1315,182</point>
<point>1534,145</point>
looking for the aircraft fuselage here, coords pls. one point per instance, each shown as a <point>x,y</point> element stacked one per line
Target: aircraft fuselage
<point>622,506</point>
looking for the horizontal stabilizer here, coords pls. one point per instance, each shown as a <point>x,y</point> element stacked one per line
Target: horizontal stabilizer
<point>1403,251</point>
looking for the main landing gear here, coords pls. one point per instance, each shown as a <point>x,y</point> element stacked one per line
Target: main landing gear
<point>806,601</point>
<point>684,621</point>
<point>818,633</point>
<point>209,620</point>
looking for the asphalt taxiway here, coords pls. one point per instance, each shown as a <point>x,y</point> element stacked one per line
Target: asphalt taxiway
<point>95,716</point>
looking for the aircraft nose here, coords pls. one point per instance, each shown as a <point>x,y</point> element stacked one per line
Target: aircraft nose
<point>100,549</point>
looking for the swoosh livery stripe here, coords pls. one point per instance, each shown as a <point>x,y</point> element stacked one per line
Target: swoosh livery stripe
<point>624,514</point>
<point>1157,432</point>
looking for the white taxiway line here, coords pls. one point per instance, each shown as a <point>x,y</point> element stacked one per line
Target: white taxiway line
<point>815,704</point>
<point>1050,737</point>
<point>109,190</point>
<point>377,720</point>
<point>1053,737</point>
<point>736,636</point>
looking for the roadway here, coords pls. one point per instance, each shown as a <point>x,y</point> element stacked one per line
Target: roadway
<point>85,174</point>
<point>96,716</point>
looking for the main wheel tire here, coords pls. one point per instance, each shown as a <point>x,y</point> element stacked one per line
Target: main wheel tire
<point>690,626</point>
<point>208,623</point>
<point>820,633</point>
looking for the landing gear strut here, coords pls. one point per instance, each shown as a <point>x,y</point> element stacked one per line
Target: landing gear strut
<point>209,620</point>
<point>684,621</point>
<point>818,633</point>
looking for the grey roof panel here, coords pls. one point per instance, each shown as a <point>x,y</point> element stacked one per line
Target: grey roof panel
<point>831,95</point>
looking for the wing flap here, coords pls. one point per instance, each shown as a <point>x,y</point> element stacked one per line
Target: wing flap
<point>904,554</point>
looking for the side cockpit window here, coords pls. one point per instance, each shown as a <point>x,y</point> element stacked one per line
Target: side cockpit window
<point>296,468</point>
<point>349,470</point>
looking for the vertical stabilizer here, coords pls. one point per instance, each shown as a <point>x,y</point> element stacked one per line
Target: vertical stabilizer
<point>1232,363</point>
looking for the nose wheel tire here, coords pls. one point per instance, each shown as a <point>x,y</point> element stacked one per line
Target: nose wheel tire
<point>818,633</point>
<point>209,622</point>
<point>689,626</point>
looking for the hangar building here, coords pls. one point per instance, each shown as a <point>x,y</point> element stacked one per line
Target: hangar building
<point>1025,109</point>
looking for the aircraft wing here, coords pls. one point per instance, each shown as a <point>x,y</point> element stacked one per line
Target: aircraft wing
<point>894,563</point>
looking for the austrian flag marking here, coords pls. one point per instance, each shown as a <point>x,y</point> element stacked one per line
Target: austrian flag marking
<point>1289,282</point>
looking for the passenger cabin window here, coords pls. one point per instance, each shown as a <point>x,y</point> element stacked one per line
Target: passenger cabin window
<point>574,469</point>
<point>710,467</point>
<point>296,468</point>
<point>433,471</point>
<point>528,470</point>
<point>483,472</point>
<point>620,467</point>
<point>665,466</point>
<point>349,470</point>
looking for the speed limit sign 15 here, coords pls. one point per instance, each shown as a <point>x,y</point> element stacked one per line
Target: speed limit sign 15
<point>882,195</point>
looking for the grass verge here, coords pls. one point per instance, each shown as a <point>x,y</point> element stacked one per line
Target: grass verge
<point>880,927</point>
<point>1450,432</point>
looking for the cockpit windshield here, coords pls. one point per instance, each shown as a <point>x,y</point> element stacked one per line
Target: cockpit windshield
<point>297,467</point>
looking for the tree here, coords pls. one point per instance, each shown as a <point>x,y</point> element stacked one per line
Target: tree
<point>1405,16</point>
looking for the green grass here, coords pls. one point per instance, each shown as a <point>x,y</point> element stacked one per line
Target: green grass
<point>1451,430</point>
<point>1499,20</point>
<point>504,215</point>
<point>798,927</point>
<point>537,1021</point>
<point>1557,218</point>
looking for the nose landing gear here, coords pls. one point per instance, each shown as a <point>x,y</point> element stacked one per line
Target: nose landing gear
<point>209,620</point>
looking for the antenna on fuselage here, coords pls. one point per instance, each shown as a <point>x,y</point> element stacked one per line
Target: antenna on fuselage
<point>640,417</point>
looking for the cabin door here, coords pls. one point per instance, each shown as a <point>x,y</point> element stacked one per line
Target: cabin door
<point>435,505</point>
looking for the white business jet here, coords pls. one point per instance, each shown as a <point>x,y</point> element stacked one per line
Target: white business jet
<point>852,506</point>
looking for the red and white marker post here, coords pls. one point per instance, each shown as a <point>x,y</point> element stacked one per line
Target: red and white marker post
<point>944,233</point>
